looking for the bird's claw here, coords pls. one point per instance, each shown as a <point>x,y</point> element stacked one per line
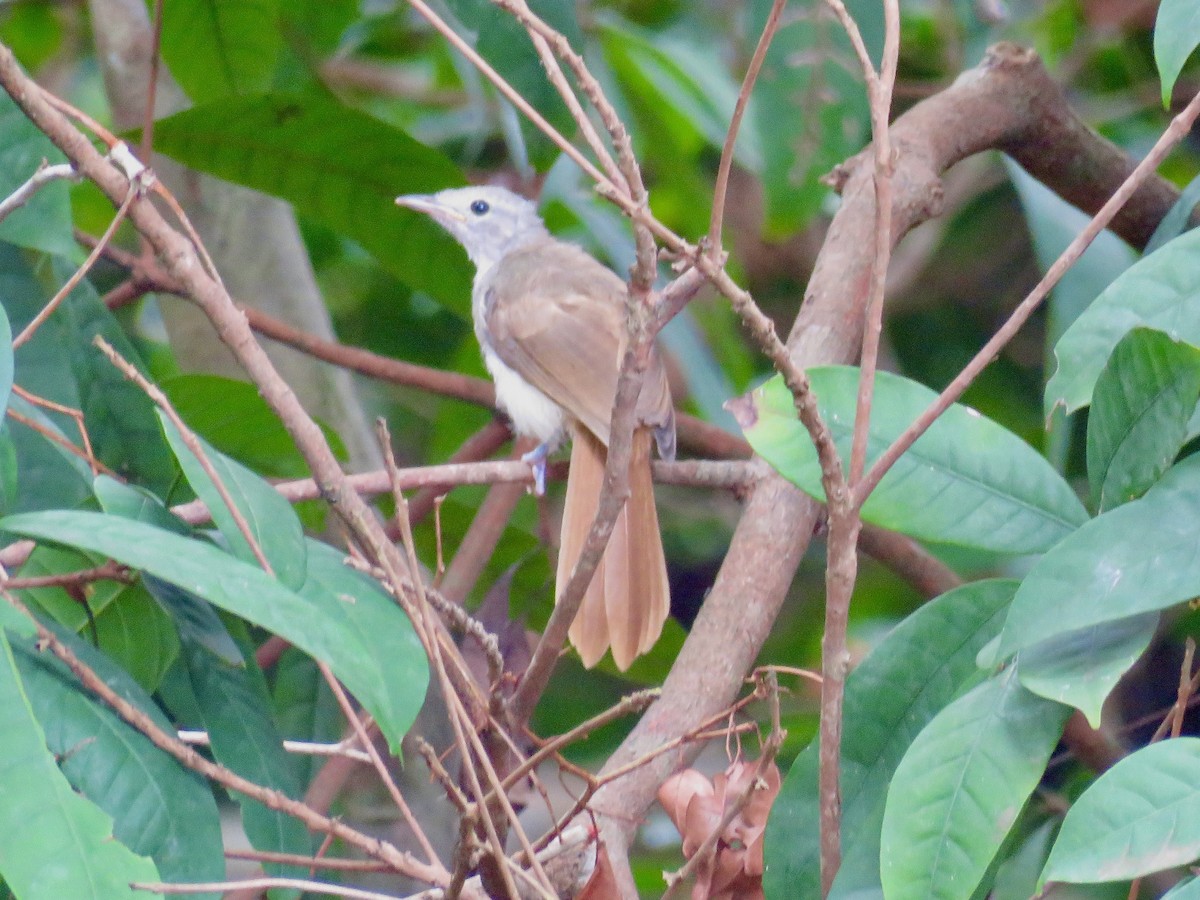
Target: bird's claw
<point>536,458</point>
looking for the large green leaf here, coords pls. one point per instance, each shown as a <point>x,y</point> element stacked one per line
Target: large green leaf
<point>1141,816</point>
<point>267,515</point>
<point>960,787</point>
<point>810,106</point>
<point>914,672</point>
<point>337,166</point>
<point>44,223</point>
<point>159,808</point>
<point>1137,558</point>
<point>1159,291</point>
<point>56,843</point>
<point>1176,35</point>
<point>1080,668</point>
<point>220,47</point>
<point>339,616</point>
<point>966,481</point>
<point>1141,407</point>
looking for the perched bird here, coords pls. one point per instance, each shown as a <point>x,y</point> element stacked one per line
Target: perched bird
<point>551,323</point>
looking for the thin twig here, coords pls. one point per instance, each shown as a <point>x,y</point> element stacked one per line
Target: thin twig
<point>48,310</point>
<point>721,185</point>
<point>45,174</point>
<point>322,888</point>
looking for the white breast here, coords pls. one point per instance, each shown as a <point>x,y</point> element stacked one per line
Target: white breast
<point>533,414</point>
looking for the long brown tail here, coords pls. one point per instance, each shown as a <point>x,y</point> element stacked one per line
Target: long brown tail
<point>628,600</point>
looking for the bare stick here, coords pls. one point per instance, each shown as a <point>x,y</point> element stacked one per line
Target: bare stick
<point>45,174</point>
<point>324,888</point>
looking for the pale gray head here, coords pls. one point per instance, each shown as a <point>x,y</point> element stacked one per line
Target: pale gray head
<point>488,221</point>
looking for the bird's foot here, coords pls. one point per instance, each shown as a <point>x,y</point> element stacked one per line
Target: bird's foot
<point>537,461</point>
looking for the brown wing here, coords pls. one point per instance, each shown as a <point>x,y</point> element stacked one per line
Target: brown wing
<point>556,317</point>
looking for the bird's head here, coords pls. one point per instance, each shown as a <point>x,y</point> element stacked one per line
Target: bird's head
<point>488,221</point>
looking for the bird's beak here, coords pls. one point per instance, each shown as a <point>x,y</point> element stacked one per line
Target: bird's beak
<point>426,203</point>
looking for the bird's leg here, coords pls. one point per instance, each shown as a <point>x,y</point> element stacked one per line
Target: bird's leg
<point>537,461</point>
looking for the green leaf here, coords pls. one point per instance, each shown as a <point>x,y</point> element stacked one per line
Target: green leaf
<point>235,709</point>
<point>1080,668</point>
<point>1185,890</point>
<point>1159,291</point>
<point>336,165</point>
<point>1140,557</point>
<point>914,672</point>
<point>1176,35</point>
<point>56,844</point>
<point>966,481</point>
<point>505,43</point>
<point>305,709</point>
<point>1141,407</point>
<point>811,78</point>
<point>44,223</point>
<point>233,417</point>
<point>132,502</point>
<point>135,631</point>
<point>1141,816</point>
<point>960,787</point>
<point>267,515</point>
<point>59,363</point>
<point>339,616</point>
<point>1178,217</point>
<point>159,808</point>
<point>6,360</point>
<point>219,47</point>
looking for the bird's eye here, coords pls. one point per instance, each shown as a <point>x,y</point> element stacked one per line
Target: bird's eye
<point>479,207</point>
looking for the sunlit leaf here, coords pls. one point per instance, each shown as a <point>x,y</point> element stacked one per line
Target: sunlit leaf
<point>966,481</point>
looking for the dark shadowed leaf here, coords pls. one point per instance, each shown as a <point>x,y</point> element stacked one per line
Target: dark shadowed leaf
<point>220,47</point>
<point>337,166</point>
<point>44,223</point>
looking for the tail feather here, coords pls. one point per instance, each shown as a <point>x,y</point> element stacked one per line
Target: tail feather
<point>629,598</point>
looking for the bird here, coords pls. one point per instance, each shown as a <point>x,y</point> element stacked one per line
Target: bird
<point>550,321</point>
